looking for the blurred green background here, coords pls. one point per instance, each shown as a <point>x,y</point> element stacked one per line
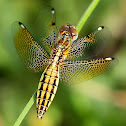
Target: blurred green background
<point>100,101</point>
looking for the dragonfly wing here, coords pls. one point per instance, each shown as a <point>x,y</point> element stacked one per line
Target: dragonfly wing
<point>44,29</point>
<point>30,52</point>
<point>73,72</point>
<point>90,45</point>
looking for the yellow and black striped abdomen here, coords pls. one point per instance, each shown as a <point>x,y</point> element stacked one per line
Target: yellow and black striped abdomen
<point>47,89</point>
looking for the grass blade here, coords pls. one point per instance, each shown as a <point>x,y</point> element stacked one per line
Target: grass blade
<point>26,109</point>
<point>86,15</point>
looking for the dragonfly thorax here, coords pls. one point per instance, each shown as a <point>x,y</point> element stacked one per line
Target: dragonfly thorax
<point>67,34</point>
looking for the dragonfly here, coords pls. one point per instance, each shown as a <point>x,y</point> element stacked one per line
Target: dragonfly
<point>59,55</point>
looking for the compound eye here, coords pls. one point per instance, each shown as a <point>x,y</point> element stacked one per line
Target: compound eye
<point>74,33</point>
<point>62,29</point>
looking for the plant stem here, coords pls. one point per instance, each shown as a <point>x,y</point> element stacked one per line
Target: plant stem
<point>26,109</point>
<point>86,15</point>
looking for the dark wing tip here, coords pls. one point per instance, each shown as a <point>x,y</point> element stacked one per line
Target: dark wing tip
<point>53,10</point>
<point>21,24</point>
<point>101,28</point>
<point>109,58</point>
<point>113,58</point>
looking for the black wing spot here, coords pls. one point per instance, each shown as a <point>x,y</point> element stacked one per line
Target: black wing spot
<point>53,23</point>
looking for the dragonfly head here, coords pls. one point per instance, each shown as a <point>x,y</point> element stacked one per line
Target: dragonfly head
<point>68,31</point>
